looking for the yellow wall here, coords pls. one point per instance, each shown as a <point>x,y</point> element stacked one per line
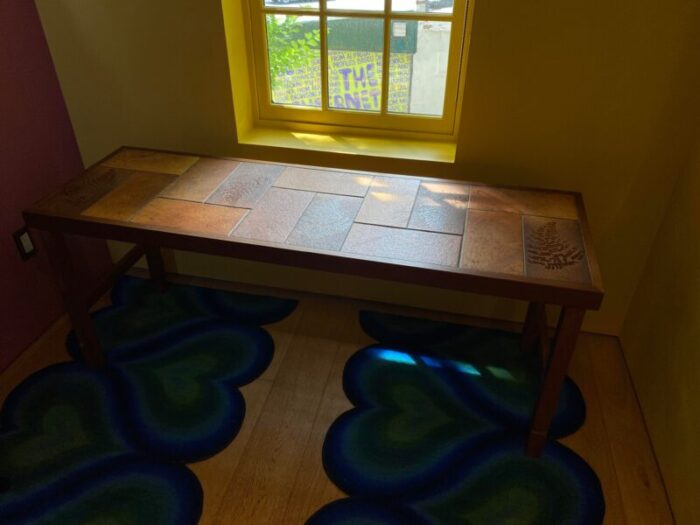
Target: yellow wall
<point>661,338</point>
<point>589,96</point>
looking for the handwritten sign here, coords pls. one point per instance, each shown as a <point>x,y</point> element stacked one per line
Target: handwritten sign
<point>354,82</point>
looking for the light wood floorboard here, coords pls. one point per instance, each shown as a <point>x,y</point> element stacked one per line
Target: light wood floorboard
<point>272,472</point>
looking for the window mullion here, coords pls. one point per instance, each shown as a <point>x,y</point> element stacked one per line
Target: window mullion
<point>323,26</point>
<point>386,56</point>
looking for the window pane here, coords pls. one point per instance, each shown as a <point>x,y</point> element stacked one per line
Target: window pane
<point>355,48</point>
<point>356,5</point>
<point>423,6</point>
<point>293,45</point>
<point>418,66</point>
<point>292,3</point>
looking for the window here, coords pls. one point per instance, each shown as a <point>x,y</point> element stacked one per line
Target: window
<point>388,65</point>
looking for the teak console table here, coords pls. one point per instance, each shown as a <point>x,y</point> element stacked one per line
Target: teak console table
<point>525,244</point>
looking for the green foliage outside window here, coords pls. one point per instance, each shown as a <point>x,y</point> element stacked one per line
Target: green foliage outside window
<point>290,46</point>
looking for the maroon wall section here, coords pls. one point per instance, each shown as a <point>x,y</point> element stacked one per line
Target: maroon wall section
<point>37,152</point>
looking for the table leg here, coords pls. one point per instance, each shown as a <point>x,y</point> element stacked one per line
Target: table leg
<point>74,298</point>
<point>568,328</point>
<point>533,323</point>
<point>156,267</point>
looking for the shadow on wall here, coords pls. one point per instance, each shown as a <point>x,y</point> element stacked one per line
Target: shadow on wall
<point>38,152</point>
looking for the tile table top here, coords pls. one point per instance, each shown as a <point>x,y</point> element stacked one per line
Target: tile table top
<point>526,237</point>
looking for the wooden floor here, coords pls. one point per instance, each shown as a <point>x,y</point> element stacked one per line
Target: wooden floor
<point>272,472</point>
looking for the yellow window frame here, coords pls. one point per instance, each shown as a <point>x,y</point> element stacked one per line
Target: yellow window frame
<point>328,119</point>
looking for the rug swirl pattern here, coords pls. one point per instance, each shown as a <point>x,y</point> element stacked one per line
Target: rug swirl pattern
<point>437,433</point>
<point>79,446</point>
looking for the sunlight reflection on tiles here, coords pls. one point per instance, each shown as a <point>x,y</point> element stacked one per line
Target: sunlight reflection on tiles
<point>447,188</point>
<point>460,205</point>
<point>384,197</point>
<point>440,207</point>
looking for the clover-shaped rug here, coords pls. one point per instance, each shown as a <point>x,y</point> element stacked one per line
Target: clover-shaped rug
<point>85,447</point>
<point>437,434</point>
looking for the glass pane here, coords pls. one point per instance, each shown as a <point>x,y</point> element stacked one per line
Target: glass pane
<point>292,3</point>
<point>356,5</point>
<point>293,44</point>
<point>423,6</point>
<point>355,63</point>
<point>418,66</point>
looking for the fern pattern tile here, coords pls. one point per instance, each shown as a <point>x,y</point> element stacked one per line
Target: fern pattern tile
<point>81,193</point>
<point>554,249</point>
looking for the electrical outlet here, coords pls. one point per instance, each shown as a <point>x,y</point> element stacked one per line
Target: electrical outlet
<point>25,244</point>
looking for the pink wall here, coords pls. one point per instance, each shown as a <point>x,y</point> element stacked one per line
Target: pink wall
<point>37,152</point>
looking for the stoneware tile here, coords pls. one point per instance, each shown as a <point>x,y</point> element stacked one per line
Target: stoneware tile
<point>326,222</point>
<point>440,207</point>
<point>322,181</point>
<point>555,250</point>
<point>542,203</point>
<point>493,242</point>
<point>275,216</point>
<point>130,196</point>
<point>84,190</point>
<point>152,161</point>
<point>246,185</point>
<point>406,245</point>
<point>389,202</point>
<point>200,181</point>
<point>190,216</point>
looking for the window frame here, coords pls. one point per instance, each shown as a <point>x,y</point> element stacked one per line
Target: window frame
<point>328,119</point>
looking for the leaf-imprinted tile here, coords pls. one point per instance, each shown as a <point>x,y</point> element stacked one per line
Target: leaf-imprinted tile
<point>440,207</point>
<point>406,245</point>
<point>326,222</point>
<point>389,201</point>
<point>190,216</point>
<point>199,182</point>
<point>130,196</point>
<point>151,161</point>
<point>275,216</point>
<point>246,185</point>
<point>336,182</point>
<point>555,250</point>
<point>85,190</point>
<point>525,202</point>
<point>493,242</point>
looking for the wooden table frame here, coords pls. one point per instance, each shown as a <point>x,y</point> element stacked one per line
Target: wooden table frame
<point>574,299</point>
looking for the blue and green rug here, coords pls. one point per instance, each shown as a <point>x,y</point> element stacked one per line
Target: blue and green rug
<point>84,447</point>
<point>437,433</point>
